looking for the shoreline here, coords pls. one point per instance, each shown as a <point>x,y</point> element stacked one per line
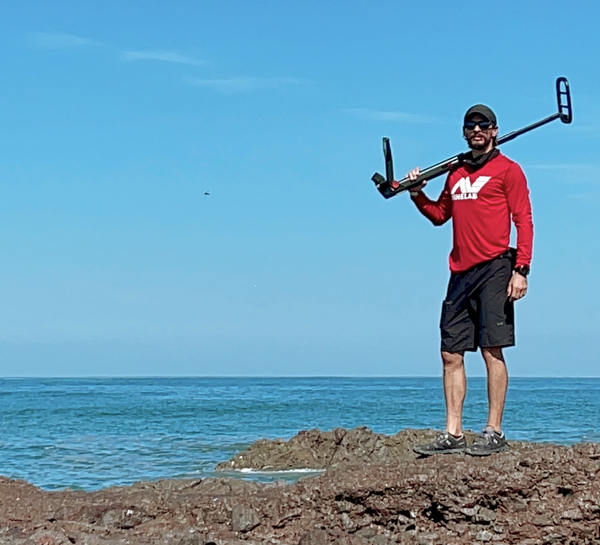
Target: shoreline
<point>534,493</point>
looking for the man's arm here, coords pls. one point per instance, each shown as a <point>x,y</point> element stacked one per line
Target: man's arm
<point>519,204</point>
<point>438,212</point>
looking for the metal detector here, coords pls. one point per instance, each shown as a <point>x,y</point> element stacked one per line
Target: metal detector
<point>389,187</point>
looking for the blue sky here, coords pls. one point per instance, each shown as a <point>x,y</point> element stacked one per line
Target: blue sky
<point>118,117</point>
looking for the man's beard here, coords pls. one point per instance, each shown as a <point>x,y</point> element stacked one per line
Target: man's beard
<point>479,146</point>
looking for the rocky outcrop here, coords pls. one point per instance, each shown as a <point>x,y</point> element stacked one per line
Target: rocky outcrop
<point>532,494</point>
<point>315,449</point>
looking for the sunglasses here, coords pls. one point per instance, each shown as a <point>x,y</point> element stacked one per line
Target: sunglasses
<point>483,125</point>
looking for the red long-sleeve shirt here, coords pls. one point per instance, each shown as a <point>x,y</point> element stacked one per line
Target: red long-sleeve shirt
<point>481,204</point>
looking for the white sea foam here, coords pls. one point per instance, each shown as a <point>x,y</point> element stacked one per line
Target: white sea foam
<point>251,471</point>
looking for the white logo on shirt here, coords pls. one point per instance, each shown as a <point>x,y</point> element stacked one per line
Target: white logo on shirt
<point>468,190</point>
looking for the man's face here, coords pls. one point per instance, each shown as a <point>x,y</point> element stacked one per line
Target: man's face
<point>480,138</point>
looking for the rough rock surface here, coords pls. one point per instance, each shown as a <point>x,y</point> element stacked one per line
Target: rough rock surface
<point>315,449</point>
<point>532,494</point>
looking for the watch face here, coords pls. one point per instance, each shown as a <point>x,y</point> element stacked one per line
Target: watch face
<point>524,270</point>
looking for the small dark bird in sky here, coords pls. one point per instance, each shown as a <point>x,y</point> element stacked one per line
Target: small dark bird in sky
<point>206,193</point>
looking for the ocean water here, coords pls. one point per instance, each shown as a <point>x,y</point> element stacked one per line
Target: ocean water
<point>94,433</point>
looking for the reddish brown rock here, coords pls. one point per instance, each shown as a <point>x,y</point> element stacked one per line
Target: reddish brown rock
<point>316,449</point>
<point>538,494</point>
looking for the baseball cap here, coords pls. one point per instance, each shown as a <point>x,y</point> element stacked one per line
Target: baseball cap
<point>483,111</point>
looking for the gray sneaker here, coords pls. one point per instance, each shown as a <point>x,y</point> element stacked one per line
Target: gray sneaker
<point>487,443</point>
<point>444,444</point>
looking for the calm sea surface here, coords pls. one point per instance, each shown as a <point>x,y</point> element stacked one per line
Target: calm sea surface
<point>94,433</point>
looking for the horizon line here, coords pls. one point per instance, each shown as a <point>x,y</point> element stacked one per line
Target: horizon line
<point>279,377</point>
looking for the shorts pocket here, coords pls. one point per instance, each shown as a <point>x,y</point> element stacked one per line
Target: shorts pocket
<point>446,313</point>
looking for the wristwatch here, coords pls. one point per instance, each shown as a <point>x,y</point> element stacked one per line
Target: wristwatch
<point>523,270</point>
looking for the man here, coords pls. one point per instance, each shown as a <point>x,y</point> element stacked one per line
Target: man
<point>481,197</point>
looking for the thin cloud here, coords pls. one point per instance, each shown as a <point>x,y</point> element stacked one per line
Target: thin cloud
<point>591,197</point>
<point>59,40</point>
<point>243,84</point>
<point>402,117</point>
<point>563,166</point>
<point>571,173</point>
<point>587,130</point>
<point>162,56</point>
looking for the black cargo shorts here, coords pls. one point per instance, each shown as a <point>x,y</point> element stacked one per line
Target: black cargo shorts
<point>477,311</point>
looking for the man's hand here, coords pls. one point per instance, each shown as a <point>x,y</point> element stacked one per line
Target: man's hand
<point>413,175</point>
<point>517,287</point>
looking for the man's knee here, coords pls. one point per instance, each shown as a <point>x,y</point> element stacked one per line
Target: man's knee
<point>453,359</point>
<point>492,355</point>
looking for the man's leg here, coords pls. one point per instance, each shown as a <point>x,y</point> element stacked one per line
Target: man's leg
<point>455,390</point>
<point>457,330</point>
<point>495,330</point>
<point>497,384</point>
<point>492,439</point>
